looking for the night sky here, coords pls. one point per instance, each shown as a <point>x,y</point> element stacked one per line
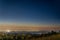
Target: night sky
<point>30,11</point>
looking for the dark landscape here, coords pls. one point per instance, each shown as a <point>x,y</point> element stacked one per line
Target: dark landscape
<point>23,35</point>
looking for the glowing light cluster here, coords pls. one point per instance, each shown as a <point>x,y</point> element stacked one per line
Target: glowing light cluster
<point>8,30</point>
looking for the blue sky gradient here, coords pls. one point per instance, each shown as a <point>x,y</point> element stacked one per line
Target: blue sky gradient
<point>30,11</point>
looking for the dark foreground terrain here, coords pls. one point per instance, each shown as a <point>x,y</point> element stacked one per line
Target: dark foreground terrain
<point>29,36</point>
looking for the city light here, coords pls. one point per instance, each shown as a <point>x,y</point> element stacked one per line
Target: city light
<point>8,30</point>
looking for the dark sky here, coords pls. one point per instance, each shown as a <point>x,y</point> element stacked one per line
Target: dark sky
<point>30,11</point>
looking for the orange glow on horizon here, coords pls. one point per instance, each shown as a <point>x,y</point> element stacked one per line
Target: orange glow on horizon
<point>27,28</point>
